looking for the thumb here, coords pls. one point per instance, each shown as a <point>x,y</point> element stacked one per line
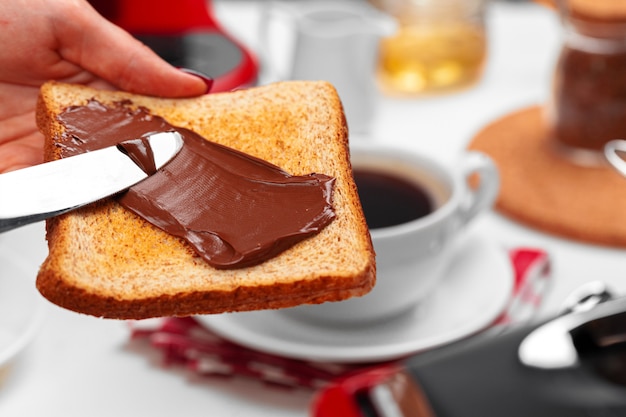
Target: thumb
<point>109,52</point>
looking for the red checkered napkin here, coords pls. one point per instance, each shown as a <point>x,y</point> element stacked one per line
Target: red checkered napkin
<point>184,342</point>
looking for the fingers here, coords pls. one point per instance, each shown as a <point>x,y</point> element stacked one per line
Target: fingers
<point>95,44</point>
<point>21,153</point>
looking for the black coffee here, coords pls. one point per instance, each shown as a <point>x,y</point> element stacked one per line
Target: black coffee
<point>389,200</point>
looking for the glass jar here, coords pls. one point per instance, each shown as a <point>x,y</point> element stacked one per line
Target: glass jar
<point>440,45</point>
<point>587,107</point>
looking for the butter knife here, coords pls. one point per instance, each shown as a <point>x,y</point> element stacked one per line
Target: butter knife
<point>36,193</point>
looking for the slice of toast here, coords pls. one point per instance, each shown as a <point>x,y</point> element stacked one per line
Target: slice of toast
<point>106,261</point>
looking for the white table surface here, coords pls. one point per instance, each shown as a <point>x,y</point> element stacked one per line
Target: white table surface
<point>80,366</point>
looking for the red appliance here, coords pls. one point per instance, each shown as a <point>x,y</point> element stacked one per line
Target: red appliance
<point>186,34</point>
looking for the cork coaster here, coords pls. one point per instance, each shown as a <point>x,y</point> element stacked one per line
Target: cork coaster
<point>542,189</point>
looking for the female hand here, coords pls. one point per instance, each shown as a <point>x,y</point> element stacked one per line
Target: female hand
<point>68,41</point>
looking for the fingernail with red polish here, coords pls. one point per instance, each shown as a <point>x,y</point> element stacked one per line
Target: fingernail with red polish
<point>208,81</point>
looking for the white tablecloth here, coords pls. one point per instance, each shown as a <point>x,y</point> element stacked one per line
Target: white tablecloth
<point>80,366</point>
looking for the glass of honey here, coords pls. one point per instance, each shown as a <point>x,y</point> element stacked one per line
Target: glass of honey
<point>440,46</point>
<point>587,107</point>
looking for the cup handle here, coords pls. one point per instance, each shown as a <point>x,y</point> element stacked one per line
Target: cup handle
<point>477,166</point>
<point>270,15</point>
<point>614,152</point>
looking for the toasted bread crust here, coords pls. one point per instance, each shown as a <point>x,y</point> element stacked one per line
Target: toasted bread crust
<point>106,261</point>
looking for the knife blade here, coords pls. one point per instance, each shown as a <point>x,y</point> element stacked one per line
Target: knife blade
<point>49,189</point>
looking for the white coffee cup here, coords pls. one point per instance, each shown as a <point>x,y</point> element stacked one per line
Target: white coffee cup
<point>412,257</point>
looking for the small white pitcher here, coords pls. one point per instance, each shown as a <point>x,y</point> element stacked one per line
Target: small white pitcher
<point>332,41</point>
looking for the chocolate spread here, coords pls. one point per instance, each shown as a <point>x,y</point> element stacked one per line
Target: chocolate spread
<point>140,152</point>
<point>234,209</point>
<point>589,91</point>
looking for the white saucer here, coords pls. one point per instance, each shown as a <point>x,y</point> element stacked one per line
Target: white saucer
<point>21,305</point>
<point>473,294</point>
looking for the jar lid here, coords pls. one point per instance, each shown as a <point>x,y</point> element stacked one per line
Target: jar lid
<point>598,9</point>
<point>609,10</point>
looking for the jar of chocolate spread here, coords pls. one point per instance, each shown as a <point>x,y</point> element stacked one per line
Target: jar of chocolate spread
<point>588,101</point>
